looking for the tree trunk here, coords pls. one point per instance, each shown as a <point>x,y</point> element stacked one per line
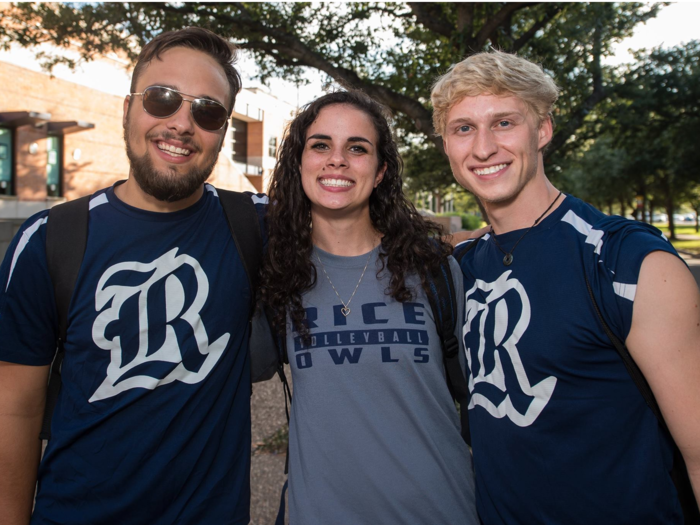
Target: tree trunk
<point>668,204</point>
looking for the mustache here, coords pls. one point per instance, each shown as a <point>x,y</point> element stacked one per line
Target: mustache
<point>184,139</point>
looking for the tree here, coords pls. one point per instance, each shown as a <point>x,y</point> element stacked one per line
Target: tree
<point>392,51</point>
<point>648,145</point>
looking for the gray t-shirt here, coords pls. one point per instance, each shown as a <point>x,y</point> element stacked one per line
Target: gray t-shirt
<point>374,436</point>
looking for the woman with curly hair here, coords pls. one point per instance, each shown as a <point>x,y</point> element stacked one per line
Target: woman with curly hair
<point>374,434</point>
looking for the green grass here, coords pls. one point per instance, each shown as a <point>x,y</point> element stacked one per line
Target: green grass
<point>692,246</point>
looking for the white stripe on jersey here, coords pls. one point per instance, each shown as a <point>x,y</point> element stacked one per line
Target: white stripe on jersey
<point>100,199</point>
<point>22,244</point>
<point>592,236</point>
<point>627,291</point>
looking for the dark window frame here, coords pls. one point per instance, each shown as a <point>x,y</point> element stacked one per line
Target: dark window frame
<point>13,164</point>
<point>60,153</point>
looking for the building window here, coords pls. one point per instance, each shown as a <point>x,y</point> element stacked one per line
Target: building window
<point>239,140</point>
<point>273,147</point>
<point>6,161</point>
<point>54,166</point>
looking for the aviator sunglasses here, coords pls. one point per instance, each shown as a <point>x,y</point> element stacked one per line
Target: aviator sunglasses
<point>163,102</point>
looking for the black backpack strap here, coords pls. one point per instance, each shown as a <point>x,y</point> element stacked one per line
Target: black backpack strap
<point>245,229</point>
<point>679,472</point>
<point>443,303</point>
<point>66,238</point>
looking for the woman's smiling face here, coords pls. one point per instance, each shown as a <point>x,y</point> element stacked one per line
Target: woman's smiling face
<point>339,164</point>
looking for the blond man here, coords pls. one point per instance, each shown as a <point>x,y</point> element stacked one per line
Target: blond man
<point>561,433</point>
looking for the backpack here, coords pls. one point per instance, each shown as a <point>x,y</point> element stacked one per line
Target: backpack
<point>66,239</point>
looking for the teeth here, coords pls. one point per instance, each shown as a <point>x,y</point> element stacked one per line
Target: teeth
<point>173,150</point>
<point>492,169</point>
<point>336,183</point>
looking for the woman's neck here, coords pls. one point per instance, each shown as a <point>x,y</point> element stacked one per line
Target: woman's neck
<point>346,237</point>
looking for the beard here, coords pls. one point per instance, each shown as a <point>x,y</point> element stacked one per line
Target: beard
<point>168,185</point>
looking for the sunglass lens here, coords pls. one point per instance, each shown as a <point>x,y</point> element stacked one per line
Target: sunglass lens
<point>161,102</point>
<point>208,114</point>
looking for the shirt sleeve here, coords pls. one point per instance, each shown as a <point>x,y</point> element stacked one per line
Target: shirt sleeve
<point>260,200</point>
<point>621,251</point>
<point>28,320</point>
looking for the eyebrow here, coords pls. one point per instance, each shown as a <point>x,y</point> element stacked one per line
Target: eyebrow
<point>328,137</point>
<point>495,116</point>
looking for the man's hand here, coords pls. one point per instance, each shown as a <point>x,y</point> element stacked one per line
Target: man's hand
<point>22,398</point>
<point>665,343</point>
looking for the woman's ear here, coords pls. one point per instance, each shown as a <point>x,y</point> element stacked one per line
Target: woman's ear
<point>380,175</point>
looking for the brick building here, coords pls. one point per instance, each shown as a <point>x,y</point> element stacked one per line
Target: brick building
<point>60,140</point>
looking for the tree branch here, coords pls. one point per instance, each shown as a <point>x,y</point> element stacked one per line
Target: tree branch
<point>552,11</point>
<point>494,22</point>
<point>577,117</point>
<point>465,18</point>
<point>427,14</point>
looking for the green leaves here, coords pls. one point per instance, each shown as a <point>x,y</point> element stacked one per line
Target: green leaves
<point>392,51</point>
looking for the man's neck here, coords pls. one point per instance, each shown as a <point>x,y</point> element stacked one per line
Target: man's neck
<point>525,208</point>
<point>132,194</point>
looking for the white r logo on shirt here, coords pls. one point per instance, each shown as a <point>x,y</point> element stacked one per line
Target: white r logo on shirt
<point>498,342</point>
<point>119,378</point>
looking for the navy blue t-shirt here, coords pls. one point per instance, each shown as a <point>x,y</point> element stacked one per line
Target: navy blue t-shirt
<point>153,420</point>
<point>561,434</point>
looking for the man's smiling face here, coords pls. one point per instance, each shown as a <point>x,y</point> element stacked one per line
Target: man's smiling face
<point>494,143</point>
<point>172,157</point>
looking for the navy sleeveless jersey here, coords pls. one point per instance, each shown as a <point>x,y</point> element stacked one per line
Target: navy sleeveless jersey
<point>561,435</point>
<point>153,420</point>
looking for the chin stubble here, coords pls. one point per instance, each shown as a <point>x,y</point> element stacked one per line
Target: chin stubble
<point>168,185</point>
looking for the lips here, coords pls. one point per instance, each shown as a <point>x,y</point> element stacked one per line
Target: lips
<point>489,170</point>
<point>336,183</point>
<point>173,150</point>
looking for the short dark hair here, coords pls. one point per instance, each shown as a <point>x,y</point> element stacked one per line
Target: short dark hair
<point>198,39</point>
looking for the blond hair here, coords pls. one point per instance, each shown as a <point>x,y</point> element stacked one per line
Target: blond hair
<point>494,73</point>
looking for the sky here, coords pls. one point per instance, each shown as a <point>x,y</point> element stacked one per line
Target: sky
<point>676,24</point>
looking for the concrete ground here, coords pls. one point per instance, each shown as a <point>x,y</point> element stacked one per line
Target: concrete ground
<point>266,470</point>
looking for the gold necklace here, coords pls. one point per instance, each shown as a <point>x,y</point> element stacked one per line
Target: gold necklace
<point>345,310</point>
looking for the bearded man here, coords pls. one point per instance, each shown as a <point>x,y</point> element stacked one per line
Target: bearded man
<point>152,425</point>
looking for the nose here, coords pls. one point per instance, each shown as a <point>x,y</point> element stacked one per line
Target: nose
<point>484,144</point>
<point>182,122</point>
<point>337,159</point>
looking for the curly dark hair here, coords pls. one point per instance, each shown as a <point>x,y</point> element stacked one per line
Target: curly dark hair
<point>410,244</point>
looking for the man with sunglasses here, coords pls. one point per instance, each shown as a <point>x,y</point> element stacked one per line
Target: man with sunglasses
<point>152,425</point>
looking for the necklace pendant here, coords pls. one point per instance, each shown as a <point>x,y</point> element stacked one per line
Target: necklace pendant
<point>345,311</point>
<point>508,259</point>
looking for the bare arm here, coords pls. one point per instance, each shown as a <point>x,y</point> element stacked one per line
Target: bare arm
<point>457,237</point>
<point>22,397</point>
<point>665,343</point>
